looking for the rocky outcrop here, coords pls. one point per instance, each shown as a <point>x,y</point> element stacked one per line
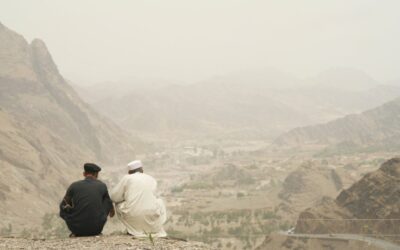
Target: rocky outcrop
<point>370,206</point>
<point>307,184</point>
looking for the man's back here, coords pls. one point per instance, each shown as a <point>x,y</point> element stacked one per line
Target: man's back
<point>90,206</point>
<point>138,192</point>
<point>137,205</point>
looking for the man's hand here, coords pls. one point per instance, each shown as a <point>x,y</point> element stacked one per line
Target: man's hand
<point>112,213</point>
<point>67,205</point>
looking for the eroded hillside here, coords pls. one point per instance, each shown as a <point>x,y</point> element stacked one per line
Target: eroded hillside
<point>47,132</point>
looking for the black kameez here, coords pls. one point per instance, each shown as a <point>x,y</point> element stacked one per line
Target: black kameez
<point>90,206</point>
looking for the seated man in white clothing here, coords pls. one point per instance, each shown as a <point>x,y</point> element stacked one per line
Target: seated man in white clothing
<point>136,204</point>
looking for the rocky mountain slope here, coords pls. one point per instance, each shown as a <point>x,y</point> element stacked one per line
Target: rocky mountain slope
<point>379,127</point>
<point>370,206</point>
<point>241,105</point>
<point>308,183</point>
<point>46,132</point>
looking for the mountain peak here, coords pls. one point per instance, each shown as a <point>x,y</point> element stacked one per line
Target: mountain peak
<point>25,61</point>
<point>43,62</point>
<point>7,35</point>
<point>39,43</point>
<point>14,55</point>
<point>4,28</point>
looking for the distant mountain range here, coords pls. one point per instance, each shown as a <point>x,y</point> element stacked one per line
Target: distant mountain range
<point>246,105</point>
<point>378,128</point>
<point>46,133</point>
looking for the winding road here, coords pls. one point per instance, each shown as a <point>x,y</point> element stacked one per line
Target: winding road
<point>386,245</point>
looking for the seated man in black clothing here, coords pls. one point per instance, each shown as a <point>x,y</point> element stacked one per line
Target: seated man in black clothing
<point>87,204</point>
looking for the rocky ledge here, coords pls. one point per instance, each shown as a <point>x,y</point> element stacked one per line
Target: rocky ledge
<point>100,242</point>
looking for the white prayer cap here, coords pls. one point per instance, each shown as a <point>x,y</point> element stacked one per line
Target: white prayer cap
<point>134,165</point>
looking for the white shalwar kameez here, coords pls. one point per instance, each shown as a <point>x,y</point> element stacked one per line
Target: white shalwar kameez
<point>137,206</point>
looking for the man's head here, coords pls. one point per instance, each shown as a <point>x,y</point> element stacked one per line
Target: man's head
<point>91,170</point>
<point>135,166</point>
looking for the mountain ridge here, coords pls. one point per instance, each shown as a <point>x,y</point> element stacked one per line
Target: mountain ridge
<point>369,127</point>
<point>374,200</point>
<point>47,132</point>
<point>236,106</point>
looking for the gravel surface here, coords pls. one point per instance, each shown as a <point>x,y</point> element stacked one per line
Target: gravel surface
<point>99,242</point>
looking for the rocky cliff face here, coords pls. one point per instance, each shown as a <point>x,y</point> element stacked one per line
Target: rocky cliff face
<point>370,206</point>
<point>46,132</point>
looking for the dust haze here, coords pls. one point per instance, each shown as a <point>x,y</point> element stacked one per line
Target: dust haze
<point>267,124</point>
<point>188,41</point>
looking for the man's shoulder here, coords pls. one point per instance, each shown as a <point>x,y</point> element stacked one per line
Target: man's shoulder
<point>86,182</point>
<point>101,184</point>
<point>138,176</point>
<point>76,183</point>
<point>148,176</point>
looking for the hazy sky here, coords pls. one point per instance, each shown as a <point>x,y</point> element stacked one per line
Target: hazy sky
<point>188,40</point>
